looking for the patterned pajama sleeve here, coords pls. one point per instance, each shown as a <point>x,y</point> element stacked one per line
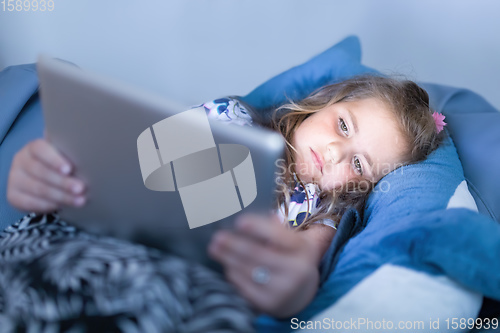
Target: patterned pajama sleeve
<point>303,203</point>
<point>228,110</point>
<point>56,278</point>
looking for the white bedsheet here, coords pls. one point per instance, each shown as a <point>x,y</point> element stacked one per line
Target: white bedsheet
<point>401,298</point>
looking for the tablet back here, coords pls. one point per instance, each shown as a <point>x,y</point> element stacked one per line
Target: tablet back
<point>155,173</point>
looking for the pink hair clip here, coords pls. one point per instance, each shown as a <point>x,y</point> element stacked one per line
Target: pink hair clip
<point>439,120</point>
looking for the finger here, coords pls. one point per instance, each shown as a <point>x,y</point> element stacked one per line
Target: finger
<point>221,250</point>
<point>33,187</point>
<point>50,156</point>
<point>271,297</point>
<point>27,202</point>
<point>220,253</point>
<point>256,294</point>
<point>41,172</point>
<point>242,252</point>
<point>256,225</point>
<point>269,229</point>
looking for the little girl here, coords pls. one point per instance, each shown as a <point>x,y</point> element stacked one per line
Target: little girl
<point>341,141</point>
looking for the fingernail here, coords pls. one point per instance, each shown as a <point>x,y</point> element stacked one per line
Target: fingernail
<point>77,188</point>
<point>65,169</point>
<point>79,201</point>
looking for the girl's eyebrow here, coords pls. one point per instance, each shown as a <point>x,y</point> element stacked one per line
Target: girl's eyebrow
<point>353,120</point>
<point>369,160</point>
<point>370,164</point>
<point>355,125</point>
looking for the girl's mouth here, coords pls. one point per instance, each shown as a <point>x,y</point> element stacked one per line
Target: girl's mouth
<point>317,160</point>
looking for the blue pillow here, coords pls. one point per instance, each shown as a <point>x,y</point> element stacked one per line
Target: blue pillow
<point>416,189</point>
<point>338,63</point>
<point>473,124</point>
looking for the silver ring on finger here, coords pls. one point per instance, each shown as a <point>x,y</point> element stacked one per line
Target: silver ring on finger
<point>261,275</point>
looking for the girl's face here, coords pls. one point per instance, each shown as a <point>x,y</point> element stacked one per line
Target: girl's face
<point>357,140</point>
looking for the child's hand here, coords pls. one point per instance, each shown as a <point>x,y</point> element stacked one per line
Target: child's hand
<point>286,258</point>
<point>40,180</point>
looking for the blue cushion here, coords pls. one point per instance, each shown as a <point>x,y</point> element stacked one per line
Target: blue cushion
<point>17,85</point>
<point>21,121</point>
<point>338,63</point>
<point>415,189</point>
<point>474,126</point>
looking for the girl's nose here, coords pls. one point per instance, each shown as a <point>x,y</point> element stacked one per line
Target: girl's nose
<point>335,152</point>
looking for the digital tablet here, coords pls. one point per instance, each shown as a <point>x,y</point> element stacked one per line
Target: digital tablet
<point>156,172</point>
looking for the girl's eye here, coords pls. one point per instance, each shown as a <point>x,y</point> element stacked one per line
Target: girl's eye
<point>343,126</point>
<point>357,166</point>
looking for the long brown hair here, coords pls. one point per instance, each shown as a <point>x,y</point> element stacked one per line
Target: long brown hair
<point>409,104</point>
